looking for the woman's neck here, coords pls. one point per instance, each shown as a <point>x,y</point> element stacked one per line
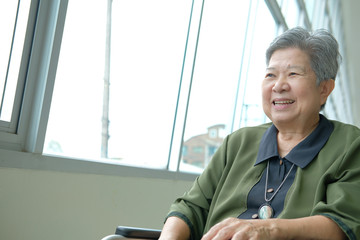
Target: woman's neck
<point>288,138</point>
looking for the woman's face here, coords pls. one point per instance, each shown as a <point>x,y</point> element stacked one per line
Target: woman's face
<point>289,91</point>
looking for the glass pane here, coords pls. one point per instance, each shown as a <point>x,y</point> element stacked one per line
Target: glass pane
<point>291,12</point>
<point>13,21</point>
<point>221,57</point>
<point>318,14</point>
<point>310,5</point>
<point>147,47</point>
<point>280,2</point>
<point>215,80</point>
<point>263,32</point>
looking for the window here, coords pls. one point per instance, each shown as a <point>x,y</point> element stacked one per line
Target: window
<point>213,133</point>
<point>310,8</point>
<point>151,53</point>
<point>198,149</point>
<point>13,23</point>
<point>290,10</point>
<point>262,31</point>
<point>178,75</point>
<point>217,68</point>
<point>227,66</point>
<point>147,51</point>
<point>144,82</point>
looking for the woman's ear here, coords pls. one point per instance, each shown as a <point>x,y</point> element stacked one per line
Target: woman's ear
<point>326,87</point>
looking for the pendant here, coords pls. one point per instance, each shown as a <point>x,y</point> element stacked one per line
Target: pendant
<point>266,211</point>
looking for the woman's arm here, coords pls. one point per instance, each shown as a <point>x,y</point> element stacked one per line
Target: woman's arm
<point>314,227</point>
<point>175,229</point>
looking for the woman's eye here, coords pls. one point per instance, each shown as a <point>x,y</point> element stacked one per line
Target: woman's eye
<point>269,75</point>
<point>293,73</point>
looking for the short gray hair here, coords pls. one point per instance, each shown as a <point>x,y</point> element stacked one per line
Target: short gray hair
<point>321,47</point>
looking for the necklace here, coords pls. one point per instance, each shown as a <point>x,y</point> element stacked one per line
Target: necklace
<point>265,210</point>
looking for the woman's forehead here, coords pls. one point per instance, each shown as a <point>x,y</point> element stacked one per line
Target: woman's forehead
<point>289,58</point>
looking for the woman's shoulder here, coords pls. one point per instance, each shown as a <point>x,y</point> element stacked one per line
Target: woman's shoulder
<point>345,129</point>
<point>344,137</point>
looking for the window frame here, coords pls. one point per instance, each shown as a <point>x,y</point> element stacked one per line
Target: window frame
<point>10,127</point>
<point>26,131</point>
<point>23,138</point>
<point>9,137</point>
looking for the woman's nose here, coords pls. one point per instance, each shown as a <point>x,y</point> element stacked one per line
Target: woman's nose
<point>281,85</point>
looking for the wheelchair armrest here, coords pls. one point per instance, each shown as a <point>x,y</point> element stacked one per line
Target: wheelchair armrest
<point>124,232</point>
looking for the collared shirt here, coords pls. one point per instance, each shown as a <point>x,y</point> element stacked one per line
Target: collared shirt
<point>300,156</point>
<point>329,185</point>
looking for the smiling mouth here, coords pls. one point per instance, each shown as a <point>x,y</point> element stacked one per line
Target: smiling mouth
<point>283,102</point>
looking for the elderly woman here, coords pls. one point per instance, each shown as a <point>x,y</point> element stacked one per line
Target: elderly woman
<point>297,177</point>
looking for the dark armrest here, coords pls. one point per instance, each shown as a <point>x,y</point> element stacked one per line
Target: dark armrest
<point>134,232</point>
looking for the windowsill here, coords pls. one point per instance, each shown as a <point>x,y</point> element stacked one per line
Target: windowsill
<point>24,160</point>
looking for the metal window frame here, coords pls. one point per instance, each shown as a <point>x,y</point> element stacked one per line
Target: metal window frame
<point>275,11</point>
<point>36,79</point>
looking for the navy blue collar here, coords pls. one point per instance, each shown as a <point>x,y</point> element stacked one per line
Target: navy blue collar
<point>303,153</point>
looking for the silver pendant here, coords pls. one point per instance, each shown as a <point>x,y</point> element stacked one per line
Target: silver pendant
<point>266,211</point>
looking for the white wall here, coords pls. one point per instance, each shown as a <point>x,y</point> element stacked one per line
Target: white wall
<point>48,204</point>
<point>351,16</point>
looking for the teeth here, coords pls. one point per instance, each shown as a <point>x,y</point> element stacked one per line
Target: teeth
<point>284,102</point>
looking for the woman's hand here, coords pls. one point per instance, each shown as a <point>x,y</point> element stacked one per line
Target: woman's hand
<point>234,228</point>
<point>313,227</point>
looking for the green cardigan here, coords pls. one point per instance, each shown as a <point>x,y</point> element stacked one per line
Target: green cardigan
<point>329,185</point>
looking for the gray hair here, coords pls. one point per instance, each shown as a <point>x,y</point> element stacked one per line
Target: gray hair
<point>321,47</point>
